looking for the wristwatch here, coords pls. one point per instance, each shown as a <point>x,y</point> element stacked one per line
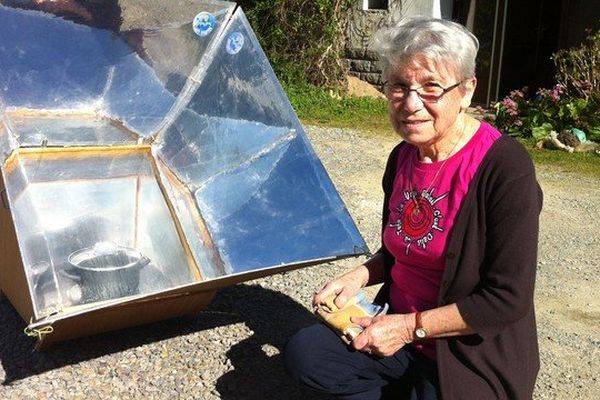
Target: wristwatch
<point>420,332</point>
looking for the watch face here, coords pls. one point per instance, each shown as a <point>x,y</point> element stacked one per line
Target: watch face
<point>421,333</point>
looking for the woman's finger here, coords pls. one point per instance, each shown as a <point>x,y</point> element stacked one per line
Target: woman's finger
<point>362,321</point>
<point>361,342</point>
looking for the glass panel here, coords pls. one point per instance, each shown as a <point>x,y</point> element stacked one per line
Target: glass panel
<point>239,83</point>
<point>198,237</point>
<point>375,5</point>
<point>132,76</point>
<point>238,147</point>
<point>62,129</point>
<point>94,205</point>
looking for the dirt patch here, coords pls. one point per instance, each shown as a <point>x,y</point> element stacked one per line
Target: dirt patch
<point>359,88</point>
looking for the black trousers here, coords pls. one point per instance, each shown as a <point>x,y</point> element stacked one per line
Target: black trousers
<point>316,357</point>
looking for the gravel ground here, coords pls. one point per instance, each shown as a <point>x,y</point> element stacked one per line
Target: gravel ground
<point>232,349</point>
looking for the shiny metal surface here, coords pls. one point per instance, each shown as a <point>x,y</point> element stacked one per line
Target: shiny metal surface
<point>74,200</point>
<point>62,129</point>
<point>175,143</point>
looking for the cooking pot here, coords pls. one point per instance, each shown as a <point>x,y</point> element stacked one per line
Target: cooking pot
<point>105,271</point>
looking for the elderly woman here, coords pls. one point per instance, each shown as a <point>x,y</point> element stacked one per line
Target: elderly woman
<point>459,244</point>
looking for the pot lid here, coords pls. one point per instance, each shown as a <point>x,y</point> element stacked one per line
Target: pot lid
<point>107,256</point>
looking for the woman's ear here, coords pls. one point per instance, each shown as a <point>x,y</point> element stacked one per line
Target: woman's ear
<point>469,90</point>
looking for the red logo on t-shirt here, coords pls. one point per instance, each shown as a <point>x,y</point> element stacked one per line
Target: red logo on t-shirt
<point>418,218</point>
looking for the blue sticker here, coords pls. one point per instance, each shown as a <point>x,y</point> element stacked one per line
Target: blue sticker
<point>235,42</point>
<point>204,23</point>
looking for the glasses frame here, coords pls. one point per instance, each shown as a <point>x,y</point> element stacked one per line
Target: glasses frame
<point>406,91</point>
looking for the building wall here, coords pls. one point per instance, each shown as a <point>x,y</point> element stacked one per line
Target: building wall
<point>363,24</point>
<point>517,38</point>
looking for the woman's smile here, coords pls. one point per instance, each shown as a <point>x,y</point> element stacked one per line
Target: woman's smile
<point>414,123</point>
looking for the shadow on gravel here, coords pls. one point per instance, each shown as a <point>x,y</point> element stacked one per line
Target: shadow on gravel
<point>19,360</point>
<point>258,368</point>
<point>258,372</point>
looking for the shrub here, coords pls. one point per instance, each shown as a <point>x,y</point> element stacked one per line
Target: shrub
<point>578,69</point>
<point>303,39</point>
<point>574,102</point>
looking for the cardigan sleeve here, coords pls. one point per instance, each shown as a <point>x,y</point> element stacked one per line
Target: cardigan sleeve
<point>513,201</point>
<point>388,186</point>
<point>387,182</point>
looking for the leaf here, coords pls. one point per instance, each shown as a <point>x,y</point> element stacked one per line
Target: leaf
<point>542,131</point>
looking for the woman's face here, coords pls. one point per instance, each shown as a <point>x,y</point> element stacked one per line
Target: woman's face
<point>421,123</point>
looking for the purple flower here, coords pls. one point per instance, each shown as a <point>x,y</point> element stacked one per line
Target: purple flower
<point>517,94</point>
<point>557,91</point>
<point>510,106</point>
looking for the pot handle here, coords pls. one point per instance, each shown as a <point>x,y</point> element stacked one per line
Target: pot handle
<point>144,261</point>
<point>68,275</point>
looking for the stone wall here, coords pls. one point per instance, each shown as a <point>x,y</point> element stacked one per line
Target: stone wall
<point>362,24</point>
<point>365,66</point>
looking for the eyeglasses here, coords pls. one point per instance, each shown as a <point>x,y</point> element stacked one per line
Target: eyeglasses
<point>428,93</point>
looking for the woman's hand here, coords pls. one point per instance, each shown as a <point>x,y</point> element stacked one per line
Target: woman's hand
<point>384,335</point>
<point>344,288</point>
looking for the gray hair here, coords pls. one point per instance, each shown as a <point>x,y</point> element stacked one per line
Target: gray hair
<point>439,40</point>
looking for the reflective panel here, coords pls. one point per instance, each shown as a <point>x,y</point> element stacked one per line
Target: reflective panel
<point>133,76</point>
<point>99,201</point>
<point>144,154</point>
<point>63,129</point>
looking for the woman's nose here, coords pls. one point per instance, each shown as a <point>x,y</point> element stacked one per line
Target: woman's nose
<point>412,102</point>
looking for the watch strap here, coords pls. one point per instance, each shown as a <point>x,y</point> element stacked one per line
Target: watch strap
<point>420,332</point>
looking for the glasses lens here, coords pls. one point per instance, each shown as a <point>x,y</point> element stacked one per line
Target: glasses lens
<point>430,93</point>
<point>431,90</point>
<point>394,91</point>
<point>429,98</point>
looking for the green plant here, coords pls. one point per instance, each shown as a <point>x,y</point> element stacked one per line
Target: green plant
<point>315,105</point>
<point>573,102</point>
<point>304,39</point>
<point>519,114</point>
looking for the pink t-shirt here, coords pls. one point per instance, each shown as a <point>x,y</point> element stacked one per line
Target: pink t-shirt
<point>424,203</point>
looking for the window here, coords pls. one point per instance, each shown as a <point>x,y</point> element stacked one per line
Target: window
<point>375,4</point>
